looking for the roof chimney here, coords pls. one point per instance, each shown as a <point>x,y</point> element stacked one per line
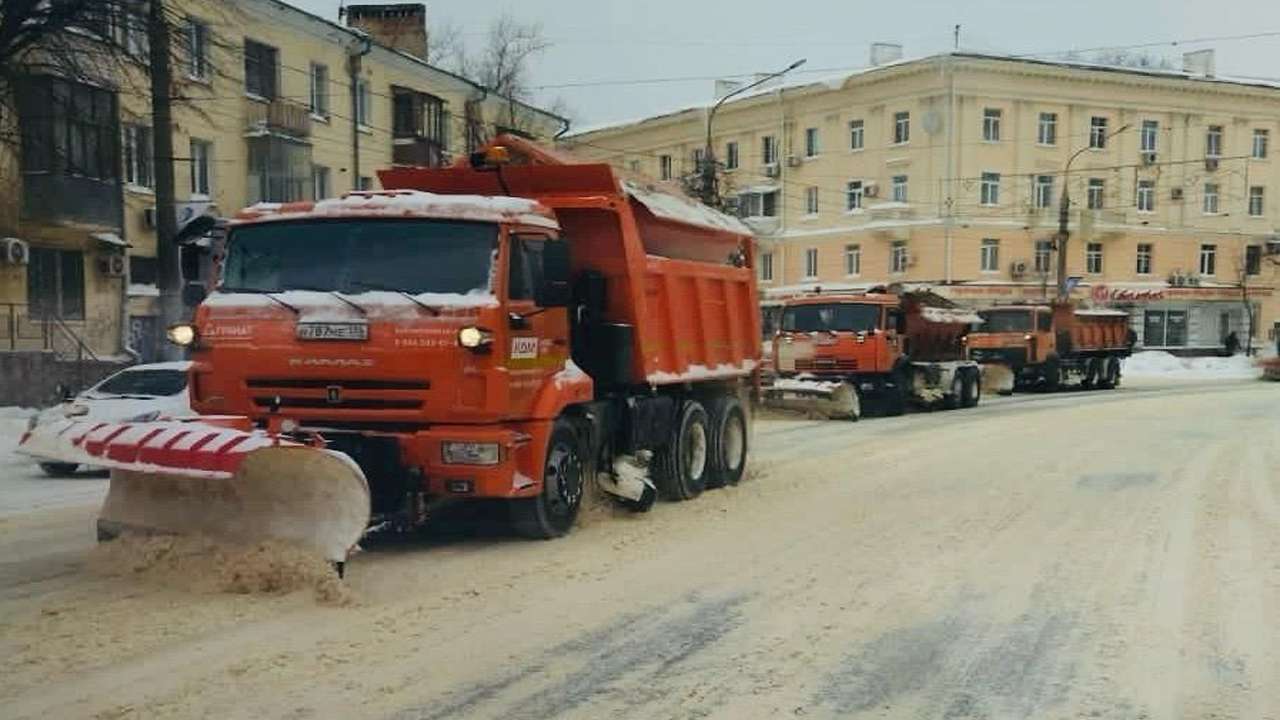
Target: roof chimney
<point>400,27</point>
<point>1200,62</point>
<point>884,53</point>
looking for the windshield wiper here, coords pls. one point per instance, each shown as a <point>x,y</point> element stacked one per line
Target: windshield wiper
<point>271,294</point>
<point>400,291</point>
<point>358,308</point>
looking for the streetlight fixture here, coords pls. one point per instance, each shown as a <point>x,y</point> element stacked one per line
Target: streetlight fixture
<point>707,189</point>
<point>1064,209</point>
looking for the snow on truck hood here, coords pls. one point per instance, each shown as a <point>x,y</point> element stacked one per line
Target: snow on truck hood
<point>411,203</point>
<point>325,307</point>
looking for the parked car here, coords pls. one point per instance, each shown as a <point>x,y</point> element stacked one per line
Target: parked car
<point>140,391</point>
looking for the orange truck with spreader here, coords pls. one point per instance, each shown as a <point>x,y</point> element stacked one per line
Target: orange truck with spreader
<point>511,328</point>
<point>1051,346</point>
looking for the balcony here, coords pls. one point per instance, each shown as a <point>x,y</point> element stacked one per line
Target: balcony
<point>763,225</point>
<point>417,152</point>
<point>278,117</point>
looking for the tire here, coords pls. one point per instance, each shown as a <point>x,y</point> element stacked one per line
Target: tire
<point>552,513</point>
<point>972,390</point>
<point>1093,374</point>
<point>895,397</point>
<point>681,468</point>
<point>1112,375</point>
<point>959,388</point>
<point>1052,375</point>
<point>57,469</point>
<point>728,442</point>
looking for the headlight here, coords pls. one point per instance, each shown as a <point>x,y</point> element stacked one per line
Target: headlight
<point>182,334</point>
<point>74,410</point>
<point>474,337</point>
<point>470,453</point>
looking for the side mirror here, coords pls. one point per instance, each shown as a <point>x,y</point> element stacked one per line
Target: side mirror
<point>191,256</point>
<point>193,294</point>
<point>555,290</point>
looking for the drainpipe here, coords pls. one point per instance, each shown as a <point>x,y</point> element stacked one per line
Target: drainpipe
<point>129,350</point>
<point>354,65</point>
<point>783,153</point>
<point>949,206</point>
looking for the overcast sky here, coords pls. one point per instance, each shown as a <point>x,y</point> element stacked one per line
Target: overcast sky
<point>604,41</point>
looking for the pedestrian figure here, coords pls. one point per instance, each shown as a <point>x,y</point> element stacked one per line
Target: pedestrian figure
<point>1231,343</point>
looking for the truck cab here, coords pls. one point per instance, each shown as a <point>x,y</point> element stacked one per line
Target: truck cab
<point>838,335</point>
<point>1014,335</point>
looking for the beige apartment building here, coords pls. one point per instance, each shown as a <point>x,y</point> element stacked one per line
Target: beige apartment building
<point>273,104</point>
<point>947,171</point>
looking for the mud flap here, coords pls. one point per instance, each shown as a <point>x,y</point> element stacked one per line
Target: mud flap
<point>313,498</point>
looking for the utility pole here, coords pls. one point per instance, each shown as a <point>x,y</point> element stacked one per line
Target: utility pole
<point>1064,212</point>
<point>168,255</point>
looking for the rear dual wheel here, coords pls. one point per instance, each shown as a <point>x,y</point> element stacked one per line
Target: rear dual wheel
<point>728,441</point>
<point>681,467</point>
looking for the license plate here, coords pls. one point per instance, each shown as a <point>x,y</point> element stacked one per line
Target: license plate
<point>333,331</point>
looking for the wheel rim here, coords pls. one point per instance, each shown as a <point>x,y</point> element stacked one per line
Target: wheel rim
<point>695,451</point>
<point>957,387</point>
<point>563,478</point>
<point>735,441</point>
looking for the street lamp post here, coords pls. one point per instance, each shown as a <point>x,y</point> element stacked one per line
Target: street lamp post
<point>707,188</point>
<point>1064,211</point>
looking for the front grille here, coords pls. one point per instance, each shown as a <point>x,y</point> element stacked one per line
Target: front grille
<point>826,364</point>
<point>344,383</point>
<point>342,404</point>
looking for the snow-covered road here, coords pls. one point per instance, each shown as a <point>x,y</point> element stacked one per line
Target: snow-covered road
<point>1096,555</point>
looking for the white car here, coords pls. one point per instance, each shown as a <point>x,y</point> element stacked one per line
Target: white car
<point>141,391</point>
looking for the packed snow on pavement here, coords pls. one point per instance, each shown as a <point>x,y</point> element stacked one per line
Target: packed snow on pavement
<point>24,488</point>
<point>1159,365</point>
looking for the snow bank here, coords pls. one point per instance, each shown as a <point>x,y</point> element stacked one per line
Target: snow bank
<point>1154,364</point>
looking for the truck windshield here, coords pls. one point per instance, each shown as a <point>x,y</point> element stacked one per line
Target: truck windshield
<point>842,317</point>
<point>353,256</point>
<point>1006,321</point>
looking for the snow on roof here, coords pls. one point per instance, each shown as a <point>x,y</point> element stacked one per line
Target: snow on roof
<point>183,365</point>
<point>409,203</point>
<point>681,209</point>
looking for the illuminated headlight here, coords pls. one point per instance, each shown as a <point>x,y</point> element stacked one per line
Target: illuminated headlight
<point>74,410</point>
<point>474,337</point>
<point>182,334</point>
<point>1027,337</point>
<point>470,453</point>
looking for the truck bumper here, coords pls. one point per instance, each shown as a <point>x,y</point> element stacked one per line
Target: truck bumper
<point>513,473</point>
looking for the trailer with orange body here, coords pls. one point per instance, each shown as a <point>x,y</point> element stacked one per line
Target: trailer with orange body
<point>501,329</point>
<point>1050,346</point>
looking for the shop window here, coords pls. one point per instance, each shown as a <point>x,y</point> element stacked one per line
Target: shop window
<point>1164,328</point>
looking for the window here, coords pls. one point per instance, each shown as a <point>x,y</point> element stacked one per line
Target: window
<point>1048,132</point>
<point>634,165</point>
<point>990,255</point>
<point>901,128</point>
<point>1144,259</point>
<point>766,267</point>
<point>279,170</point>
<point>811,142</point>
<point>419,123</point>
<point>143,270</point>
<point>1044,191</point>
<point>1210,198</point>
<point>991,124</point>
<point>1146,196</point>
<point>319,90</point>
<point>365,183</point>
<point>769,149</point>
<point>811,263</point>
<point>1260,144</point>
<point>757,204</point>
<point>320,182</point>
<point>1149,139</point>
<point>197,37</point>
<point>898,258</point>
<point>1213,141</point>
<point>664,167</point>
<point>1096,196</point>
<point>1208,259</point>
<point>1255,201</point>
<point>853,195</point>
<point>55,283</point>
<point>811,200</point>
<point>133,28</point>
<point>900,188</point>
<point>990,189</point>
<point>261,69</point>
<point>1097,132</point>
<point>852,260</point>
<point>525,268</point>
<point>201,167</point>
<point>364,103</point>
<point>698,155</point>
<point>1093,258</point>
<point>1253,260</point>
<point>1164,328</point>
<point>139,170</point>
<point>855,134</point>
<point>731,156</point>
<point>1043,250</point>
<point>68,129</point>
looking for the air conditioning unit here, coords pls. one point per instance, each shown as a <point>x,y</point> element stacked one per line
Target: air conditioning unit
<point>1178,280</point>
<point>1273,246</point>
<point>870,190</point>
<point>1149,158</point>
<point>112,265</point>
<point>14,251</point>
<point>1018,270</point>
<point>1193,280</point>
<point>149,217</point>
<point>1176,193</point>
<point>1211,164</point>
<point>794,161</point>
<point>771,170</point>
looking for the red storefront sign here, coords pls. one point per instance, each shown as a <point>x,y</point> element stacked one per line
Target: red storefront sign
<point>1105,293</point>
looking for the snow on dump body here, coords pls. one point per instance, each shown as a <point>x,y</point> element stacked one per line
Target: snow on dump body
<point>948,315</point>
<point>413,203</point>
<point>669,206</point>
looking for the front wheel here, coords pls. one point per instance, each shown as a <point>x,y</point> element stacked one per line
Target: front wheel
<point>1052,375</point>
<point>972,390</point>
<point>57,469</point>
<point>895,394</point>
<point>682,464</point>
<point>552,513</point>
<point>728,441</point>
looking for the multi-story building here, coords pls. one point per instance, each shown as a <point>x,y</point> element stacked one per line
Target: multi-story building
<point>271,104</point>
<point>947,171</point>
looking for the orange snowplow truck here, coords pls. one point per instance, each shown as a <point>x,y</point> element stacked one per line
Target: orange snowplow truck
<point>1049,346</point>
<point>502,329</point>
<point>842,353</point>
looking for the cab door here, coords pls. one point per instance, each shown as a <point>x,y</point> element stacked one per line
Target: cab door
<point>537,343</point>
